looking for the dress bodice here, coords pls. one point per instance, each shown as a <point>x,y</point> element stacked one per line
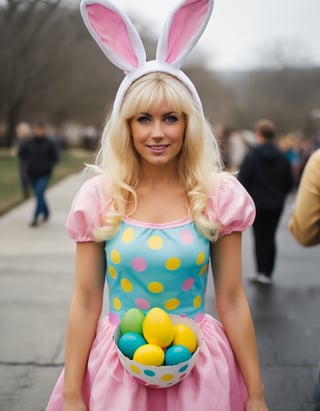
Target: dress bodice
<point>163,265</point>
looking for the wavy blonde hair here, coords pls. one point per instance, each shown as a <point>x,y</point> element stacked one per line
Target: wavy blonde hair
<point>198,161</point>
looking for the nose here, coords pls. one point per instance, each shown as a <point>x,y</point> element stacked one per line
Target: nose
<point>157,131</point>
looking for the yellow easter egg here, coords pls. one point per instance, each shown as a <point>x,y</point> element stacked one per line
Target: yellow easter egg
<point>184,335</point>
<point>149,354</point>
<point>158,328</point>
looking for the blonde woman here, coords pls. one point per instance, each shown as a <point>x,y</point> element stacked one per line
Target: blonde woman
<point>148,225</point>
<point>161,196</point>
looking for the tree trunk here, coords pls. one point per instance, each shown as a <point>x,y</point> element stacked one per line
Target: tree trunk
<point>12,120</point>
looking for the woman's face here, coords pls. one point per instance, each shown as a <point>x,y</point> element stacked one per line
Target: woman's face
<point>158,134</point>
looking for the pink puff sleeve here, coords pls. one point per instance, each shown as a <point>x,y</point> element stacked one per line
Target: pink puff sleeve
<point>230,206</point>
<point>87,209</point>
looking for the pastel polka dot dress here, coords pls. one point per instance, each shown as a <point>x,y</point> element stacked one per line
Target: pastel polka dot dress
<point>160,265</point>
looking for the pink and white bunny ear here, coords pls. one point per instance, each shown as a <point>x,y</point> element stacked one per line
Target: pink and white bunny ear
<point>182,30</point>
<point>114,33</point>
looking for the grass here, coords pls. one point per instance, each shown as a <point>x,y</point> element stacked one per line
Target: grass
<point>72,162</point>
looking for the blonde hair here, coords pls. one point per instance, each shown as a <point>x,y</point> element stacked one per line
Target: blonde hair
<point>198,161</point>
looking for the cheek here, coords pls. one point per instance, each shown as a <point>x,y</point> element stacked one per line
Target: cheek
<point>178,136</point>
<point>137,141</point>
<point>139,133</point>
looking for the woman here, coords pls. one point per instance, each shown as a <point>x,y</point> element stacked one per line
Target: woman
<point>149,223</point>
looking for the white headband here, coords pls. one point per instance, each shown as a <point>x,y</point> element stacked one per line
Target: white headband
<point>121,43</point>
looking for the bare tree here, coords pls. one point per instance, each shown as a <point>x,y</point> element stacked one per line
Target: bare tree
<point>25,65</point>
<point>51,67</point>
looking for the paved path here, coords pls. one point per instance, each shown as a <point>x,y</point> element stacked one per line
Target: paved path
<point>36,279</point>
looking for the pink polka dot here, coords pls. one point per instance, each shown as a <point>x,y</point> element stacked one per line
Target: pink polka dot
<point>199,317</point>
<point>186,237</point>
<point>188,284</point>
<point>139,264</point>
<point>142,303</point>
<point>114,318</point>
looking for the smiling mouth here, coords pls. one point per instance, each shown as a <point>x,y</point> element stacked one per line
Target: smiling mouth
<point>158,147</point>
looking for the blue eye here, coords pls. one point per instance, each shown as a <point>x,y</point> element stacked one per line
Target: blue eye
<point>171,118</point>
<point>143,119</point>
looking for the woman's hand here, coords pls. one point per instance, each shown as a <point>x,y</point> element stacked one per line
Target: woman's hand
<point>75,405</point>
<point>256,405</point>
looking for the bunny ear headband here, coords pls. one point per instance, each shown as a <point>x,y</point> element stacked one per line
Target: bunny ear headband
<point>121,43</point>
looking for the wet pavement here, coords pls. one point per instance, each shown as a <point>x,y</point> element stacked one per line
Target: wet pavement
<point>36,279</point>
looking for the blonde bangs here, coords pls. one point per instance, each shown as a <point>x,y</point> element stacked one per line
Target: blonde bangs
<point>155,89</point>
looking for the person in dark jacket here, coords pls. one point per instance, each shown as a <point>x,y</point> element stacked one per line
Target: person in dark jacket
<point>266,174</point>
<point>40,155</point>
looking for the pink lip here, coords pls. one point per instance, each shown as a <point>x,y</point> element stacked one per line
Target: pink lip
<point>158,148</point>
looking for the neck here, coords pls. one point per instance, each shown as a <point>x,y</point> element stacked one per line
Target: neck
<point>159,177</point>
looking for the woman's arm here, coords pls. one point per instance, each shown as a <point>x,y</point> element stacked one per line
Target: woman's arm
<point>84,315</point>
<point>304,222</point>
<point>234,313</point>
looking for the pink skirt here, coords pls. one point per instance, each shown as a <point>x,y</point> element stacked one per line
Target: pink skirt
<point>214,384</point>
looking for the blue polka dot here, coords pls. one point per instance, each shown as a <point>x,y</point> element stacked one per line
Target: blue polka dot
<point>149,373</point>
<point>182,369</point>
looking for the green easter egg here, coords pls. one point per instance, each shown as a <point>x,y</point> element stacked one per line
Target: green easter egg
<point>132,321</point>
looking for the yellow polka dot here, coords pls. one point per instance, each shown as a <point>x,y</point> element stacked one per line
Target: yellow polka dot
<point>134,369</point>
<point>197,301</point>
<point>203,269</point>
<point>128,235</point>
<point>115,257</point>
<point>117,303</point>
<point>155,242</point>
<point>167,377</point>
<point>173,263</point>
<point>126,285</point>
<point>155,287</point>
<point>172,304</point>
<point>112,272</point>
<point>201,257</point>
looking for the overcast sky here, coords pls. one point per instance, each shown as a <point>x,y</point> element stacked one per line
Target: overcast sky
<point>238,29</point>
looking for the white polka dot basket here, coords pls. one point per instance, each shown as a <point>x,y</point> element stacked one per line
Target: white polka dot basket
<point>165,375</point>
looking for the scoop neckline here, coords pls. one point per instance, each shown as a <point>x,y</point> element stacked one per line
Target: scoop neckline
<point>174,223</point>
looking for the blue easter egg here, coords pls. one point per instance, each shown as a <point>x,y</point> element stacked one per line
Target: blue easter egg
<point>129,342</point>
<point>177,354</point>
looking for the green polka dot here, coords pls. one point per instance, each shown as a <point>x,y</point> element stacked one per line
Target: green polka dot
<point>117,303</point>
<point>155,287</point>
<point>112,272</point>
<point>115,257</point>
<point>173,263</point>
<point>134,369</point>
<point>126,285</point>
<point>201,257</point>
<point>172,304</point>
<point>155,242</point>
<point>128,235</point>
<point>197,301</point>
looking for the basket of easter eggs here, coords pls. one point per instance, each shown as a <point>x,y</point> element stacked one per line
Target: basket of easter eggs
<point>157,349</point>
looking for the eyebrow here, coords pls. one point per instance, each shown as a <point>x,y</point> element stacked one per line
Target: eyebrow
<point>163,115</point>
